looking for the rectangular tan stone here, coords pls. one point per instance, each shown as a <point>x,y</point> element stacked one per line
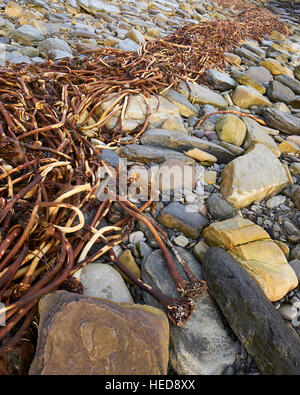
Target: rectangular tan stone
<point>254,176</point>
<point>267,264</point>
<point>233,232</point>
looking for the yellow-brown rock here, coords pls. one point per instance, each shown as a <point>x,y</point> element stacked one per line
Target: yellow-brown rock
<point>128,261</point>
<point>289,147</point>
<point>267,264</point>
<point>233,232</point>
<point>93,336</point>
<point>274,66</point>
<point>200,155</point>
<point>254,176</point>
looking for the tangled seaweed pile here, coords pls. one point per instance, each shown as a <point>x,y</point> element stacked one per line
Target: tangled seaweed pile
<point>49,169</point>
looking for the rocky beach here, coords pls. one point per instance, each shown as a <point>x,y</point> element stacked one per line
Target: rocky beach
<point>198,275</point>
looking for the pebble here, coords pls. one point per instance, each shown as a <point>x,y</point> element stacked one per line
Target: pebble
<point>288,312</point>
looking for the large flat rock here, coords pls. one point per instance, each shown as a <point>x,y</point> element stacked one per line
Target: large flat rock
<point>233,232</point>
<point>202,95</point>
<point>283,121</point>
<point>254,176</point>
<point>183,143</point>
<point>93,336</point>
<point>259,326</point>
<point>152,154</point>
<point>203,346</point>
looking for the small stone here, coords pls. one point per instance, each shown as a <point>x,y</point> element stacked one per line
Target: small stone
<point>210,177</point>
<point>273,66</point>
<point>219,208</point>
<point>232,58</point>
<point>288,146</point>
<point>201,94</point>
<point>49,47</point>
<point>181,241</point>
<point>200,249</point>
<point>283,121</point>
<point>103,281</point>
<point>275,201</point>
<point>296,198</point>
<point>200,155</point>
<point>253,176</point>
<point>245,97</point>
<point>128,261</point>
<point>277,36</point>
<point>281,106</point>
<point>143,249</point>
<point>28,35</point>
<point>244,79</point>
<point>288,312</point>
<point>182,218</point>
<point>257,134</point>
<point>128,45</point>
<point>135,237</point>
<point>231,129</point>
<point>185,107</point>
<point>295,264</point>
<point>279,92</point>
<point>219,80</point>
<point>136,36</point>
<point>13,10</point>
<point>295,253</point>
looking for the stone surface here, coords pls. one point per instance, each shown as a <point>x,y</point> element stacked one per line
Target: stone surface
<point>28,35</point>
<point>182,218</point>
<point>185,107</point>
<point>107,338</point>
<point>258,134</point>
<point>180,142</point>
<point>136,36</point>
<point>285,122</point>
<point>49,46</point>
<point>279,92</point>
<point>296,198</point>
<point>292,83</point>
<point>274,347</point>
<point>295,265</point>
<point>244,79</point>
<point>288,146</point>
<point>275,201</point>
<point>202,95</point>
<point>254,176</point>
<point>95,6</point>
<point>219,208</point>
<point>203,346</point>
<point>128,261</point>
<point>103,281</point>
<point>231,129</point>
<point>267,264</point>
<point>273,66</point>
<point>220,80</point>
<point>259,74</point>
<point>233,232</point>
<point>245,97</point>
<point>148,154</point>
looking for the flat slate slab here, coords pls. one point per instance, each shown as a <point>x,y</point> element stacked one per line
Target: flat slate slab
<point>178,216</point>
<point>152,154</point>
<point>283,121</point>
<point>183,143</point>
<point>255,321</point>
